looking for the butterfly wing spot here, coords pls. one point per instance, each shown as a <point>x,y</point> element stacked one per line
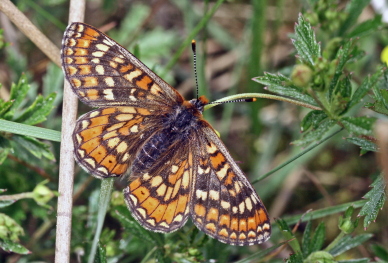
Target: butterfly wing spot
<point>102,47</point>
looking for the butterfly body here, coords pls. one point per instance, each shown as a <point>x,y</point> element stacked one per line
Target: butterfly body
<point>178,166</point>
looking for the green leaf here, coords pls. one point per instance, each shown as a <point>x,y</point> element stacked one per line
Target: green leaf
<point>381,103</point>
<point>134,228</point>
<point>341,96</point>
<point>359,125</point>
<point>353,9</point>
<point>287,233</point>
<point>255,257</point>
<point>295,258</point>
<point>5,203</point>
<point>100,254</point>
<point>315,135</point>
<point>312,119</point>
<point>38,110</point>
<point>380,252</point>
<point>11,246</point>
<point>3,153</point>
<point>280,84</point>
<point>349,242</point>
<point>376,199</point>
<point>365,28</point>
<point>17,95</point>
<point>305,43</point>
<point>4,107</point>
<point>318,238</point>
<point>358,260</point>
<point>28,130</point>
<point>365,86</point>
<point>306,240</point>
<point>33,146</point>
<point>347,53</point>
<point>365,145</point>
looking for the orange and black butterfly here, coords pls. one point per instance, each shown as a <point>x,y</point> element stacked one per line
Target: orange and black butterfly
<point>178,166</point>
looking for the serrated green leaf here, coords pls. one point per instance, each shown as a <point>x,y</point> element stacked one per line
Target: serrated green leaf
<point>318,238</point>
<point>365,86</point>
<point>280,84</point>
<point>315,135</point>
<point>376,199</point>
<point>33,146</point>
<point>11,246</point>
<point>381,103</point>
<point>312,119</point>
<point>305,43</point>
<point>365,28</point>
<point>100,254</point>
<point>38,110</point>
<point>353,9</point>
<point>363,143</point>
<point>359,125</point>
<point>341,96</point>
<point>17,95</point>
<point>349,242</point>
<point>380,252</point>
<point>344,54</point>
<point>295,258</point>
<point>306,240</point>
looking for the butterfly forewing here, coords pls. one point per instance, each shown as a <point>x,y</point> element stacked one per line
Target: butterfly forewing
<point>103,73</point>
<point>143,127</point>
<point>224,204</point>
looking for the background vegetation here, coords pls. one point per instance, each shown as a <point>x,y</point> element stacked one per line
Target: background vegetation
<point>328,198</point>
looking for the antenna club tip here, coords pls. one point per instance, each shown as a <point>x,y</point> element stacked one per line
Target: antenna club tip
<point>251,100</point>
<point>193,44</point>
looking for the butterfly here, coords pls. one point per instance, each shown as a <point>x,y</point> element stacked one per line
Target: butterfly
<point>178,166</point>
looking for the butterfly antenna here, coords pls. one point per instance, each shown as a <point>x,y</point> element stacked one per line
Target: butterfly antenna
<point>193,47</point>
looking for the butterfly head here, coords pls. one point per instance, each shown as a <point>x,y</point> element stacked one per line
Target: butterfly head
<point>199,103</point>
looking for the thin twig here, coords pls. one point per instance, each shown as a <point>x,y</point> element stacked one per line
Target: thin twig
<point>66,168</point>
<point>30,30</point>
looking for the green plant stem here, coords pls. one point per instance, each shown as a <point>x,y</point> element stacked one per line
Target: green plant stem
<point>335,241</point>
<point>192,34</point>
<point>295,157</point>
<point>105,195</point>
<point>262,96</point>
<point>16,197</point>
<point>149,254</point>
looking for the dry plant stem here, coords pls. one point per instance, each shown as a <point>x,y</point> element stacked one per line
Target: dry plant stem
<point>66,166</point>
<point>381,129</point>
<point>320,187</point>
<point>284,196</point>
<point>28,29</point>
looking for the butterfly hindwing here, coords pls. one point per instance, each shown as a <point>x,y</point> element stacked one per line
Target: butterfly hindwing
<point>102,73</point>
<point>224,204</point>
<point>159,195</point>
